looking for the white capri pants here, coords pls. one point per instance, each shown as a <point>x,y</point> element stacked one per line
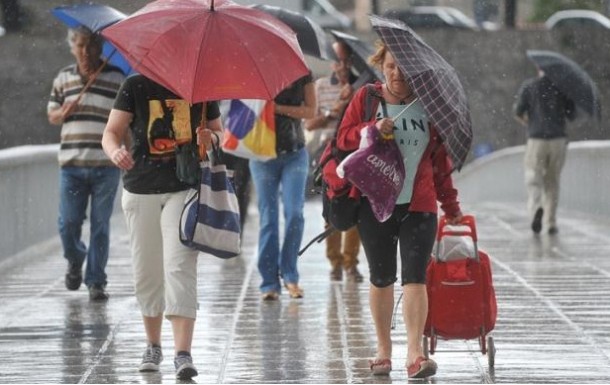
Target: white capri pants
<point>165,271</point>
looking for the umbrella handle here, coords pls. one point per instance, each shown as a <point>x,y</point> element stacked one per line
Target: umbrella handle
<point>92,79</point>
<point>404,109</point>
<point>203,154</point>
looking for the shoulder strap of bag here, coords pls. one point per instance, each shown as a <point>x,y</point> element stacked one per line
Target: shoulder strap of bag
<point>369,99</point>
<point>368,111</point>
<point>371,94</point>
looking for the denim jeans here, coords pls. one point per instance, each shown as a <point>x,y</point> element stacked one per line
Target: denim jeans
<point>283,177</point>
<point>76,186</point>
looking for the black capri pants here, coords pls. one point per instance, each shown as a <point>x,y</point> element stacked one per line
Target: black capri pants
<point>415,231</point>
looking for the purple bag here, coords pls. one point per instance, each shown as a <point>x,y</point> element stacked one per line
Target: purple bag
<point>378,171</point>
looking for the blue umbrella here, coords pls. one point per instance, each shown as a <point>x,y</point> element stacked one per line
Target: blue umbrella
<point>95,17</point>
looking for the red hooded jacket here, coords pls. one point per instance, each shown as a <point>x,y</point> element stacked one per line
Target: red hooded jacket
<point>433,177</point>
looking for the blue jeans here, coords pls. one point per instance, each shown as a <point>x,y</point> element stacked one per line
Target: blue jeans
<point>289,171</point>
<point>76,186</point>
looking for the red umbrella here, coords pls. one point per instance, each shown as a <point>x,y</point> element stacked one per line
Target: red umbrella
<point>210,50</point>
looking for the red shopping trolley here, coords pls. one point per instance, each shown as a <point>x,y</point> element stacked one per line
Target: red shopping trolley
<point>461,296</point>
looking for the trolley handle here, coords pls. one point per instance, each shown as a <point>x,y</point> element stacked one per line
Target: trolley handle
<point>467,221</point>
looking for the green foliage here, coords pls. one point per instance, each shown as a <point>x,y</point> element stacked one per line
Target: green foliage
<point>545,8</point>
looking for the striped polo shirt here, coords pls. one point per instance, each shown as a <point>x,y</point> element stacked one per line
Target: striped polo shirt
<point>81,132</point>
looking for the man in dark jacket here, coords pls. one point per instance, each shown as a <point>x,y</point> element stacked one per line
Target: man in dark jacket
<point>543,108</point>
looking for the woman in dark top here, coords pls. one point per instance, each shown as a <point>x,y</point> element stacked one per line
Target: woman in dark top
<point>165,271</point>
<point>284,178</point>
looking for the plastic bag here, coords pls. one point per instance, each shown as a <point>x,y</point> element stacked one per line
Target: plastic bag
<point>378,171</point>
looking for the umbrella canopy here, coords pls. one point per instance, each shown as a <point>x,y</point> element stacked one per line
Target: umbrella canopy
<point>210,50</point>
<point>312,38</point>
<point>570,78</point>
<point>96,17</point>
<point>361,52</point>
<point>434,81</point>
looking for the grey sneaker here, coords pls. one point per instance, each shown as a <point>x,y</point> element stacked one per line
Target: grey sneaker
<point>185,369</point>
<point>153,355</point>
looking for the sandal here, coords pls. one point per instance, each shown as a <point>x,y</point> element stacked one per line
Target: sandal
<point>380,366</point>
<point>422,367</point>
<point>294,291</point>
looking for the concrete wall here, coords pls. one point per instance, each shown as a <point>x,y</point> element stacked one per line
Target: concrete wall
<point>29,197</point>
<point>29,187</point>
<point>499,177</point>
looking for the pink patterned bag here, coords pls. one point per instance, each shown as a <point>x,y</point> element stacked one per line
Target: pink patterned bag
<point>377,170</point>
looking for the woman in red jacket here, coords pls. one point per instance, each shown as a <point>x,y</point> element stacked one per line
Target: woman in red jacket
<point>414,220</point>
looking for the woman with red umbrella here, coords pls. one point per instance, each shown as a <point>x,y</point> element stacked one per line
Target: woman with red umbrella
<point>165,271</point>
<point>401,117</point>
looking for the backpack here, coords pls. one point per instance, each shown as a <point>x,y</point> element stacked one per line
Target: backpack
<point>338,208</point>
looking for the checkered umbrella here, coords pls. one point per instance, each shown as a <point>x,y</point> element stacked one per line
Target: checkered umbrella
<point>434,81</point>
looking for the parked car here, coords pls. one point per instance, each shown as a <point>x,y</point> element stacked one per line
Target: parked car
<point>575,18</point>
<point>432,17</point>
<point>322,11</point>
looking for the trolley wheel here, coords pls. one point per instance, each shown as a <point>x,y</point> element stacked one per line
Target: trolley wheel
<point>425,346</point>
<point>491,352</point>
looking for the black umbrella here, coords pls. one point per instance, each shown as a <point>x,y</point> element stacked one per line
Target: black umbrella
<point>312,38</point>
<point>570,78</point>
<point>434,81</point>
<point>361,52</point>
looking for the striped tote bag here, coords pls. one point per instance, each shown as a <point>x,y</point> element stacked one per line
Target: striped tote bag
<point>210,217</point>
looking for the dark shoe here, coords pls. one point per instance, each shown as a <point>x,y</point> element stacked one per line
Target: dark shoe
<point>537,222</point>
<point>336,274</point>
<point>553,230</point>
<point>74,276</point>
<point>270,296</point>
<point>422,368</point>
<point>153,355</point>
<point>185,370</point>
<point>353,275</point>
<point>97,293</point>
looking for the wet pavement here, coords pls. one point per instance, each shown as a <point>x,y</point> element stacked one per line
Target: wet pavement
<point>553,321</point>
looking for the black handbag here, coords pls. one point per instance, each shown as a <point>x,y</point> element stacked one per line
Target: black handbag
<point>188,170</point>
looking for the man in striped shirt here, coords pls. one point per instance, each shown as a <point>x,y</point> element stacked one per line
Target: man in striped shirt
<point>81,99</point>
